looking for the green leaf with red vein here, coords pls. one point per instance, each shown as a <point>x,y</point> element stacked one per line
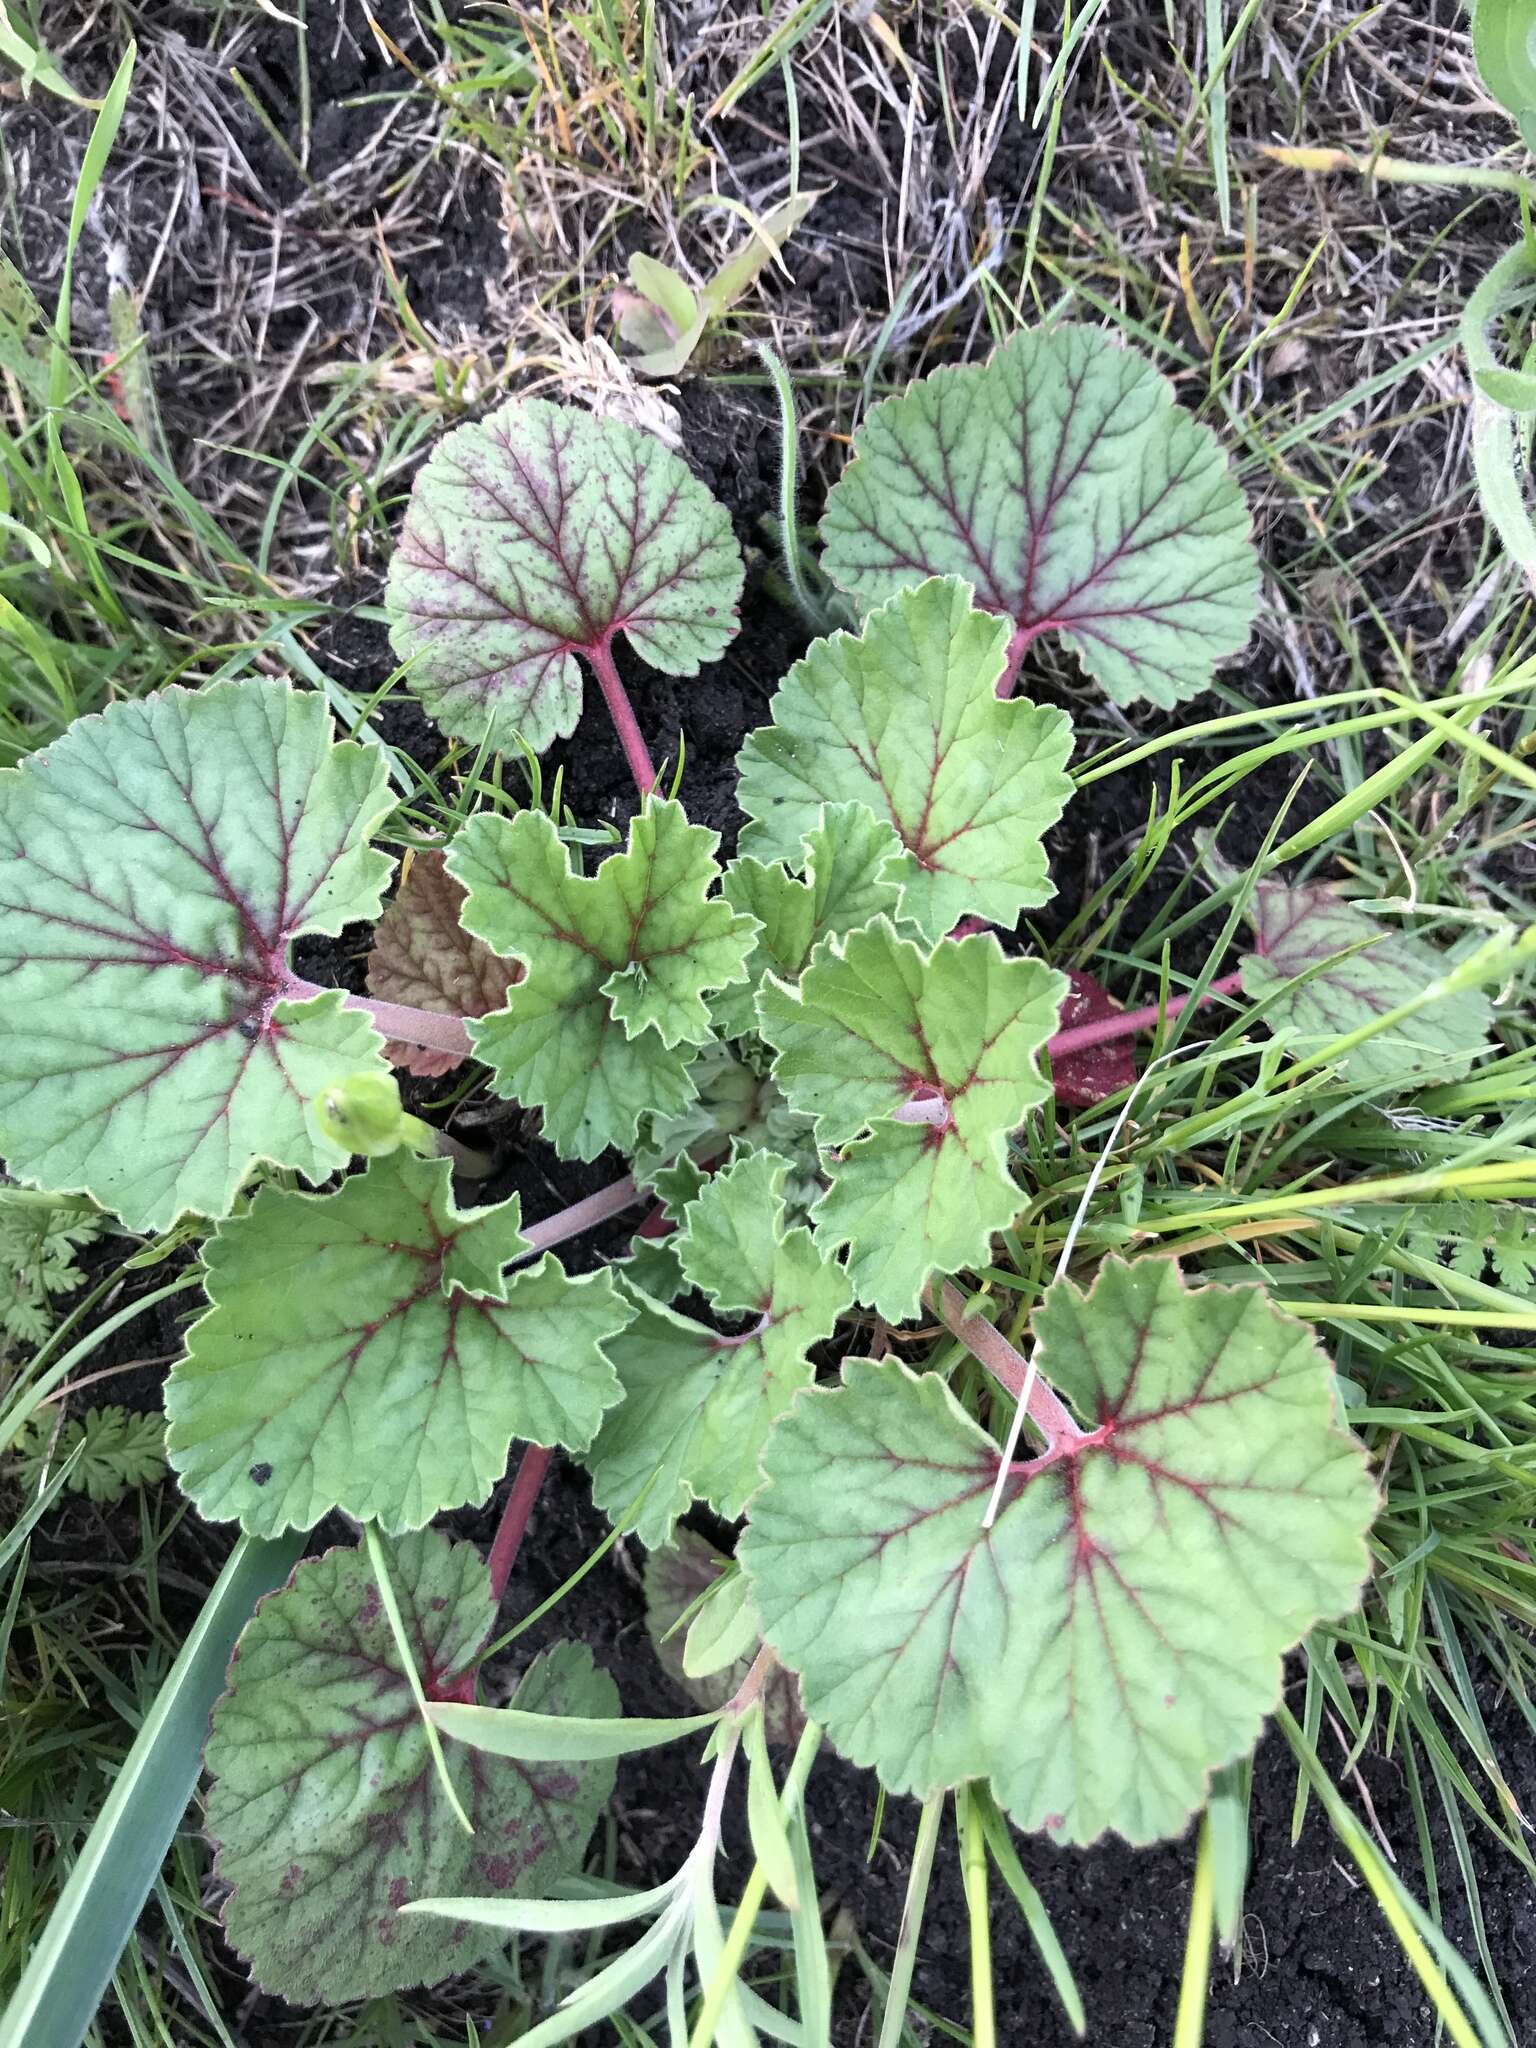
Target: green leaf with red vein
<point>158,861</point>
<point>697,1404</point>
<point>1061,480</point>
<point>1325,969</point>
<point>1118,1633</point>
<point>540,534</point>
<point>906,720</point>
<point>325,1805</point>
<point>422,956</point>
<point>365,1351</point>
<point>619,964</point>
<point>879,1032</point>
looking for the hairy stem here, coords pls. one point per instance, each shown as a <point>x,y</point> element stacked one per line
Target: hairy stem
<point>1105,1030</point>
<point>986,1342</point>
<point>434,1029</point>
<point>510,1530</point>
<point>622,712</point>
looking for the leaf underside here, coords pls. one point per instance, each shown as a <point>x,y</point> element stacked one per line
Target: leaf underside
<point>422,956</point>
<point>875,1021</point>
<point>1118,1633</point>
<point>1298,932</point>
<point>540,533</point>
<point>604,1025</point>
<point>365,1352</point>
<point>906,720</point>
<point>157,862</point>
<point>697,1406</point>
<point>1092,1073</point>
<point>325,1805</point>
<point>1063,483</point>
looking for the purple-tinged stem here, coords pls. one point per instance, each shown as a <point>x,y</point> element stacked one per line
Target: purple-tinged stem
<point>1126,1023</point>
<point>582,1215</point>
<point>434,1029</point>
<point>622,712</point>
<point>513,1525</point>
<point>986,1342</point>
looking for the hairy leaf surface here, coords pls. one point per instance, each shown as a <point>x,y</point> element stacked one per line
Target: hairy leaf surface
<point>1300,932</point>
<point>423,956</point>
<point>539,534</point>
<point>698,1405</point>
<point>1117,1634</point>
<point>906,720</point>
<point>875,1025</point>
<point>158,861</point>
<point>1061,480</point>
<point>325,1804</point>
<point>364,1351</point>
<point>619,965</point>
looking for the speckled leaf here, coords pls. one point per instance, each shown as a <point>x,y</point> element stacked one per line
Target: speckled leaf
<point>906,720</point>
<point>157,862</point>
<point>1118,1633</point>
<point>365,1351</point>
<point>676,1578</point>
<point>1094,1072</point>
<point>423,956</point>
<point>1298,931</point>
<point>540,534</point>
<point>619,964</point>
<point>698,1405</point>
<point>877,1025</point>
<point>325,1805</point>
<point>1061,480</point>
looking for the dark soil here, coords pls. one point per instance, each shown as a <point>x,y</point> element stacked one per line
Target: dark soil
<point>1319,1967</point>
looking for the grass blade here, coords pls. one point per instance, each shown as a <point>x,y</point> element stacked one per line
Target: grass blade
<point>72,1965</point>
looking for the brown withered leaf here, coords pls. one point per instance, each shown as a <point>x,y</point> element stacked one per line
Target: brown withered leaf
<point>423,956</point>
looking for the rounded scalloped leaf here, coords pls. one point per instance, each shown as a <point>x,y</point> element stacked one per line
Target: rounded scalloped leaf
<point>325,1806</point>
<point>1118,1633</point>
<point>537,535</point>
<point>365,1352</point>
<point>1064,483</point>
<point>905,719</point>
<point>158,861</point>
<point>1323,969</point>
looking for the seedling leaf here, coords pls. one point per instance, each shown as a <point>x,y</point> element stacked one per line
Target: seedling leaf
<point>618,967</point>
<point>906,719</point>
<point>1117,1634</point>
<point>875,1024</point>
<point>1299,931</point>
<point>159,859</point>
<point>537,535</point>
<point>365,1352</point>
<point>422,956</point>
<point>325,1804</point>
<point>1061,480</point>
<point>699,1405</point>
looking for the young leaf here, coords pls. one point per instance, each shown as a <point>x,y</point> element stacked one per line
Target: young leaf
<point>1095,1072</point>
<point>158,860</point>
<point>327,1810</point>
<point>875,1024</point>
<point>1117,1634</point>
<point>365,1352</point>
<point>1063,482</point>
<point>853,863</point>
<point>618,967</point>
<point>1297,931</point>
<point>697,1404</point>
<point>422,956</point>
<point>537,535</point>
<point>906,720</point>
<point>676,1577</point>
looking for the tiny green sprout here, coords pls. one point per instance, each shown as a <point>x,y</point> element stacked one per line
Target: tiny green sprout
<point>363,1114</point>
